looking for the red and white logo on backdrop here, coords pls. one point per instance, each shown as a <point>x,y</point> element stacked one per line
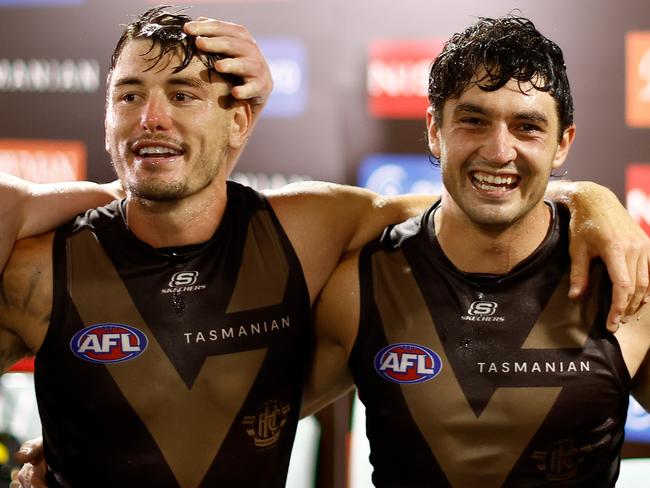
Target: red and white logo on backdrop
<point>637,92</point>
<point>398,77</point>
<point>43,161</point>
<point>637,189</point>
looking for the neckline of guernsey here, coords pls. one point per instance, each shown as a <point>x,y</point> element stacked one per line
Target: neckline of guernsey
<point>169,252</point>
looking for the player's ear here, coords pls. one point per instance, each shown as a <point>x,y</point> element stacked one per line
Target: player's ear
<point>563,147</point>
<point>241,122</point>
<point>432,133</point>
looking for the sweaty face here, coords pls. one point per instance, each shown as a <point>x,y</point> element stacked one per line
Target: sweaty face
<point>167,133</point>
<point>497,150</point>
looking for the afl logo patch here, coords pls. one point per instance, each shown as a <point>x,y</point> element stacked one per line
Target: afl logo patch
<point>108,343</point>
<point>407,363</point>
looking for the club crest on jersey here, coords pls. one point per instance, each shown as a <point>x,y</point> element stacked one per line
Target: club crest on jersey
<point>407,363</point>
<point>108,343</point>
<point>267,424</point>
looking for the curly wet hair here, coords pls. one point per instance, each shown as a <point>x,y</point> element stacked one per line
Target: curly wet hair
<point>163,26</point>
<point>500,49</point>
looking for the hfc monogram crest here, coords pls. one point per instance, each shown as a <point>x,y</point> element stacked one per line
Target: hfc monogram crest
<point>266,426</point>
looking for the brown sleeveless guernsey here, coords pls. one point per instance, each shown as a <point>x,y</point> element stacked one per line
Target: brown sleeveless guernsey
<point>475,381</point>
<point>174,367</point>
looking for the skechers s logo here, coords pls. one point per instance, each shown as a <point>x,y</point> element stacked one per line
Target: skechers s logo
<point>108,343</point>
<point>482,308</point>
<point>183,282</point>
<point>482,311</point>
<point>407,363</point>
<point>184,278</point>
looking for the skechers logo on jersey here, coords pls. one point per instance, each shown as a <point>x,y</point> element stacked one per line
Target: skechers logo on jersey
<point>482,311</point>
<point>108,343</point>
<point>183,281</point>
<point>407,363</point>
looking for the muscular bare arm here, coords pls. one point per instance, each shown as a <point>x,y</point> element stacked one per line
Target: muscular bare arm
<point>29,208</point>
<point>49,205</point>
<point>634,340</point>
<point>25,305</point>
<point>326,220</point>
<point>336,322</point>
<point>25,299</point>
<point>600,226</point>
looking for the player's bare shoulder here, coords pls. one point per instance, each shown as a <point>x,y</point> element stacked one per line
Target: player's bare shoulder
<point>312,197</point>
<point>26,290</point>
<point>347,214</point>
<point>325,220</point>
<point>321,220</point>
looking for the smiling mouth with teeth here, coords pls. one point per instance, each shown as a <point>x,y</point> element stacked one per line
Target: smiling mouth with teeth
<point>157,151</point>
<point>488,182</point>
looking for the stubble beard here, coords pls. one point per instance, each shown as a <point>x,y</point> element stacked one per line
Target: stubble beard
<point>163,192</point>
<point>171,191</point>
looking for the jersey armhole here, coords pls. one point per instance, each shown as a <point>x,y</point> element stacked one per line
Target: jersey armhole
<point>59,280</point>
<point>366,292</point>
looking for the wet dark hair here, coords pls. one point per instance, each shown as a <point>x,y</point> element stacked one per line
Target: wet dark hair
<point>164,28</point>
<point>505,48</point>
